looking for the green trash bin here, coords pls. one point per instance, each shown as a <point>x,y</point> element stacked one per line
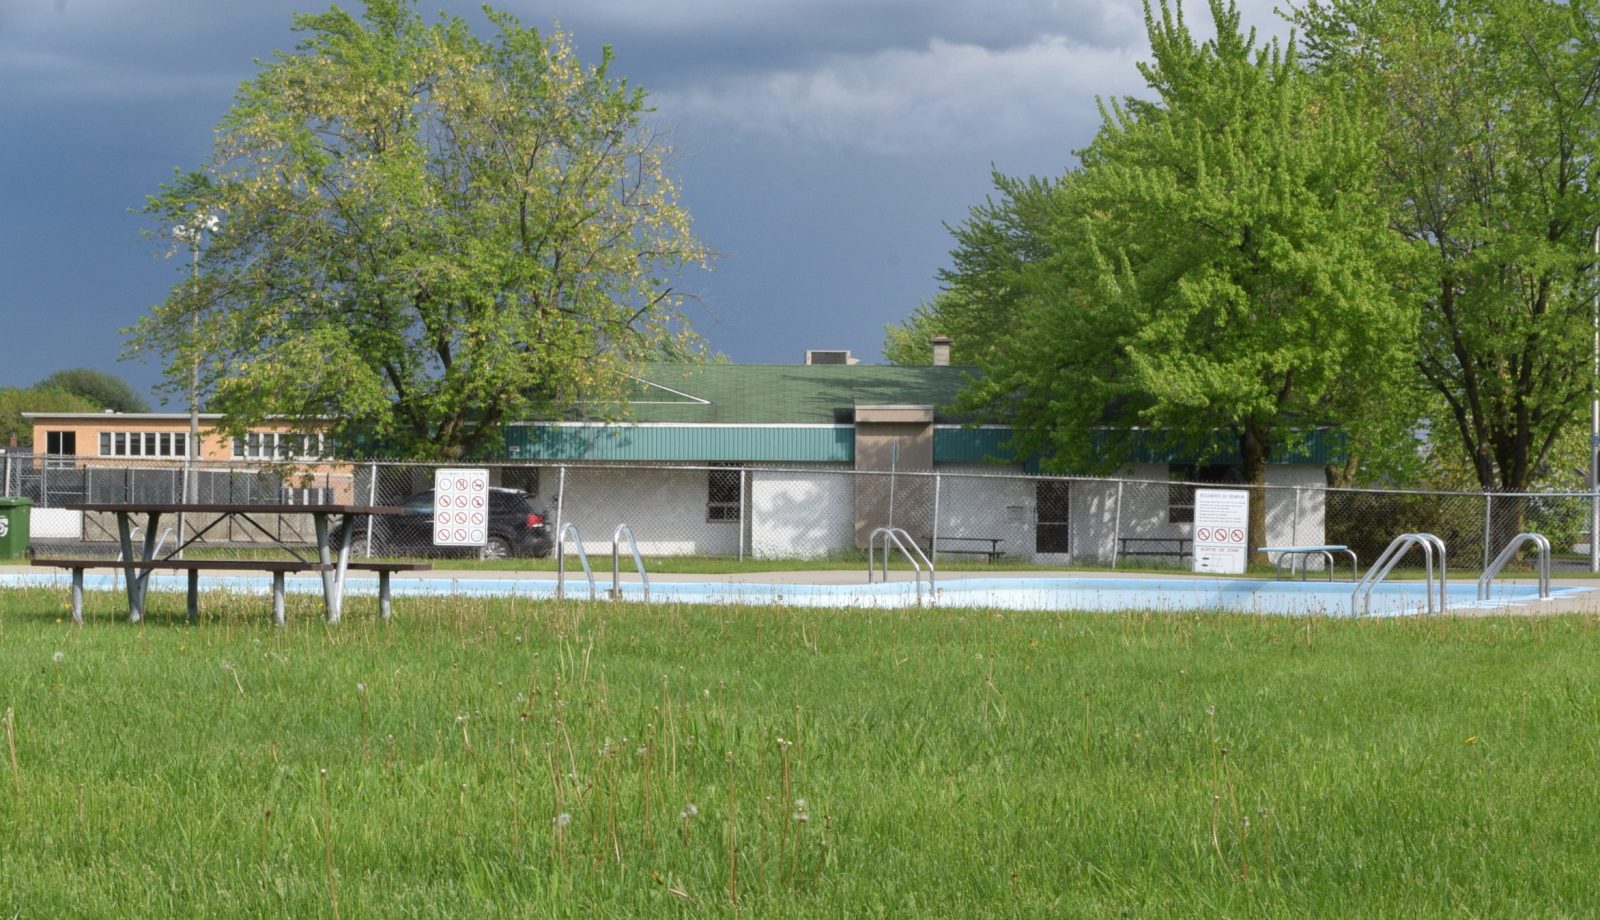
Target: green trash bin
<point>14,516</point>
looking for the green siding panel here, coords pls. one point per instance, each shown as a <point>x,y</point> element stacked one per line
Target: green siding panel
<point>1321,446</point>
<point>972,445</point>
<point>660,443</point>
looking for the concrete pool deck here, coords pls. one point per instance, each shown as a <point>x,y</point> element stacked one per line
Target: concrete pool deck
<point>1587,602</point>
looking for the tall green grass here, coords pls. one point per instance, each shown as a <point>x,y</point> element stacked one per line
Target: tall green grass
<point>486,758</point>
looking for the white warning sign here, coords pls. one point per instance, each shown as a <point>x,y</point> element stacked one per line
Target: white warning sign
<point>1221,527</point>
<point>460,507</point>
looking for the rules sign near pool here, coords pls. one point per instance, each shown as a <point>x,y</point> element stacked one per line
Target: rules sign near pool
<point>1221,526</point>
<point>460,507</point>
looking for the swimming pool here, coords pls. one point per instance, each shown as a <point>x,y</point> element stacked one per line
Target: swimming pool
<point>1079,593</point>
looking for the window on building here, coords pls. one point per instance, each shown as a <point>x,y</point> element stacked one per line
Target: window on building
<point>60,442</point>
<point>281,445</point>
<point>1184,476</point>
<point>722,494</point>
<point>143,444</point>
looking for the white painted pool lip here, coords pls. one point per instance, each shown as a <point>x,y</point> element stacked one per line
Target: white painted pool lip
<point>1028,590</point>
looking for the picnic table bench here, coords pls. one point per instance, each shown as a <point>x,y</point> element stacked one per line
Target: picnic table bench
<point>991,548</point>
<point>1303,553</point>
<point>1155,546</point>
<point>138,566</point>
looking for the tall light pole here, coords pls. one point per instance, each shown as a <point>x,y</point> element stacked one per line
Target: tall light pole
<point>191,232</point>
<point>1594,417</point>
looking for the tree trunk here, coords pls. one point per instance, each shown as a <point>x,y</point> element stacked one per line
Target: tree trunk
<point>1253,450</point>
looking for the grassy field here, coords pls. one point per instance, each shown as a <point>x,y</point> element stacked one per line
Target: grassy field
<point>486,758</point>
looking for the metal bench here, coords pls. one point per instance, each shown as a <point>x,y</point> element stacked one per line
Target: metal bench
<point>1154,546</point>
<point>1303,553</point>
<point>991,551</point>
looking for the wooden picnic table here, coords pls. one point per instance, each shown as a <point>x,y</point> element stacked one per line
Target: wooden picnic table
<point>138,566</point>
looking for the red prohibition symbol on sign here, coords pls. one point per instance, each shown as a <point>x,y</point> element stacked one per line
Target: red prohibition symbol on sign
<point>461,535</point>
<point>477,501</point>
<point>1203,535</point>
<point>477,485</point>
<point>1238,535</point>
<point>461,483</point>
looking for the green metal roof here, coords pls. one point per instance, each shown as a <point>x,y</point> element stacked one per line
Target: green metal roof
<point>806,414</point>
<point>767,394</point>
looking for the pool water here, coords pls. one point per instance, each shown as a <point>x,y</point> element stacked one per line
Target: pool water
<point>1087,594</point>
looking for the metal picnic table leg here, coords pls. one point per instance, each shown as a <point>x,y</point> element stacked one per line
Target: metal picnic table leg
<point>277,598</point>
<point>77,595</point>
<point>194,595</point>
<point>135,573</point>
<point>384,605</point>
<point>333,581</point>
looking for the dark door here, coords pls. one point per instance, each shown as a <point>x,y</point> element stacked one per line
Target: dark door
<point>1050,525</point>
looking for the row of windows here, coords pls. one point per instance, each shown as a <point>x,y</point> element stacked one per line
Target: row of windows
<point>142,444</point>
<point>256,446</point>
<point>274,445</point>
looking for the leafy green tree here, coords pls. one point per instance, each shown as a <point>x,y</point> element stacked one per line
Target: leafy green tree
<point>1491,123</point>
<point>419,235</point>
<point>39,398</point>
<point>982,299</point>
<point>1216,271</point>
<point>106,391</point>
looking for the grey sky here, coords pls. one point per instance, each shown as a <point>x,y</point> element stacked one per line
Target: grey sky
<point>821,145</point>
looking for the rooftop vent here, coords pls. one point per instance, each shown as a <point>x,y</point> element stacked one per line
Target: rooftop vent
<point>830,356</point>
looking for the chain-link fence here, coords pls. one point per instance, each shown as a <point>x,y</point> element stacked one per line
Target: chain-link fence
<point>820,511</point>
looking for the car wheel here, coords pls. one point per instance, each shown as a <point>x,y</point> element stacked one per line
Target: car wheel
<point>496,548</point>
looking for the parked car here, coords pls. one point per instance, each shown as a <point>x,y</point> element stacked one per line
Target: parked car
<point>516,528</point>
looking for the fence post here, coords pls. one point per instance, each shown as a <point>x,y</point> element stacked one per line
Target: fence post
<point>8,475</point>
<point>1488,527</point>
<point>1294,534</point>
<point>561,501</point>
<point>743,510</point>
<point>933,532</point>
<point>1116,527</point>
<point>372,499</point>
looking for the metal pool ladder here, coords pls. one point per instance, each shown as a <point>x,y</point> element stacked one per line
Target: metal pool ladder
<point>561,561</point>
<point>1361,598</point>
<point>616,562</point>
<point>913,554</point>
<point>1540,543</point>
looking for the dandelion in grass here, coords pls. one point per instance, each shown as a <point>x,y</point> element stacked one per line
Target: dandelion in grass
<point>801,813</point>
<point>59,657</point>
<point>689,811</point>
<point>562,820</point>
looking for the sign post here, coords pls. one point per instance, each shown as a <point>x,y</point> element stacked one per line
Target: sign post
<point>1221,529</point>
<point>460,507</point>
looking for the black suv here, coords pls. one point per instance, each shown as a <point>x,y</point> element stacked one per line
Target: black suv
<point>516,528</point>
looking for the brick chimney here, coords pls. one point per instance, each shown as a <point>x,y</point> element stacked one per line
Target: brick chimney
<point>941,351</point>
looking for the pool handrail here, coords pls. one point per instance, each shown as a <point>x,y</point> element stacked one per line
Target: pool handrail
<point>1361,597</point>
<point>561,561</point>
<point>616,562</point>
<point>1543,568</point>
<point>894,534</point>
<point>1444,574</point>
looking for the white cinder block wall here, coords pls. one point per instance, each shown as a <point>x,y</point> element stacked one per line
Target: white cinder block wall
<point>665,509</point>
<point>811,512</point>
<point>801,514</point>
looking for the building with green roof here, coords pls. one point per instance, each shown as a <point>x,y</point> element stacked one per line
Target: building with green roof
<point>806,459</point>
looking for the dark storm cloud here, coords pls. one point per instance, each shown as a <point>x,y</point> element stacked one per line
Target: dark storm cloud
<point>822,144</point>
